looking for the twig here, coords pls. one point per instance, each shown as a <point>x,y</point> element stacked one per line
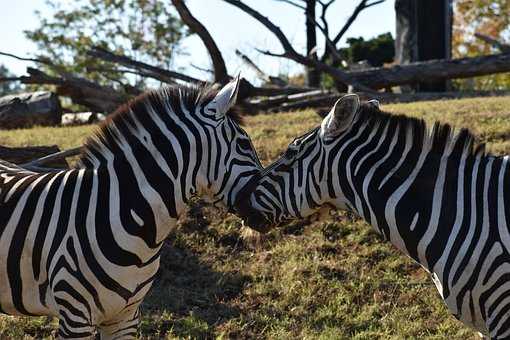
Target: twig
<point>41,61</point>
<point>495,43</point>
<point>292,4</point>
<point>37,163</point>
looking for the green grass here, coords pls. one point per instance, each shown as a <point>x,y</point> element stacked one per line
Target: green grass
<point>328,279</point>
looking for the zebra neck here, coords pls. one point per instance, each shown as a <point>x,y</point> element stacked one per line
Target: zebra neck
<point>147,200</point>
<point>417,198</point>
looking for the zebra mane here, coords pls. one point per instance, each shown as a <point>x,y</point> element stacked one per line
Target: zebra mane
<point>440,136</point>
<point>188,95</point>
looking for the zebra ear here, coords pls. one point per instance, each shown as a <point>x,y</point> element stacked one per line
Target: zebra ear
<point>227,96</point>
<point>374,102</point>
<point>341,115</point>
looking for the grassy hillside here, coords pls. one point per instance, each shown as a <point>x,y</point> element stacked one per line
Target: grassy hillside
<point>329,279</point>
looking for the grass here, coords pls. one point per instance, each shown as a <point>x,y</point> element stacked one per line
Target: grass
<point>328,279</point>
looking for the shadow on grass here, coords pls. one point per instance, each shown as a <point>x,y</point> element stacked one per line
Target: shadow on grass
<point>189,299</point>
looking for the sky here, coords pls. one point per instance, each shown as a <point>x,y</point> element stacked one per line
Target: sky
<point>230,27</point>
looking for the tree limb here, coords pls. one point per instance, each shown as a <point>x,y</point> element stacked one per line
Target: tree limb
<point>220,69</point>
<point>364,4</point>
<point>158,73</point>
<point>293,4</point>
<point>96,97</point>
<point>495,43</point>
<point>35,60</point>
<point>291,53</point>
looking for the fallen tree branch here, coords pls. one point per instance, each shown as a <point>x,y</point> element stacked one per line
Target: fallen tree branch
<point>433,70</point>
<point>158,73</point>
<point>96,97</point>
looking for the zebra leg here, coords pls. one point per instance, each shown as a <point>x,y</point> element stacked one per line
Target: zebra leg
<point>124,326</point>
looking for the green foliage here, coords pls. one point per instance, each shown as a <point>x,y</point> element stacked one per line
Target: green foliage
<point>145,30</point>
<point>376,51</point>
<point>7,87</point>
<point>488,17</point>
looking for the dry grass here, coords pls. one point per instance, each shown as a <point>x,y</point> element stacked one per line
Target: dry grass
<point>329,279</point>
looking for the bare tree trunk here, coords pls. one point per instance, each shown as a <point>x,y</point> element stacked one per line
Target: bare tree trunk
<point>420,39</point>
<point>312,74</point>
<point>220,69</point>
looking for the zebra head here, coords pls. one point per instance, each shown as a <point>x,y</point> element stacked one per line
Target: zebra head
<point>306,177</point>
<point>232,159</point>
<point>189,136</point>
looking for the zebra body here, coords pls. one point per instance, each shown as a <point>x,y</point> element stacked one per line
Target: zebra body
<point>83,244</point>
<point>433,194</point>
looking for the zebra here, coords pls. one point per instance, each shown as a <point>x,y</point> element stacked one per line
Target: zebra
<point>84,244</point>
<point>435,194</point>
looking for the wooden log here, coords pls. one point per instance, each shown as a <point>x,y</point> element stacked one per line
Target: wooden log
<point>433,70</point>
<point>28,109</point>
<point>81,118</point>
<point>326,101</point>
<point>274,101</point>
<point>82,91</point>
<point>21,155</point>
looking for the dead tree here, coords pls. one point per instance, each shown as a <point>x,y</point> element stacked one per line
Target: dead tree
<point>292,54</point>
<point>314,21</point>
<point>220,69</point>
<point>419,38</point>
<point>312,74</point>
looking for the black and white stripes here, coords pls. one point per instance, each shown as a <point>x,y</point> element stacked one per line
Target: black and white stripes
<point>434,194</point>
<point>83,244</point>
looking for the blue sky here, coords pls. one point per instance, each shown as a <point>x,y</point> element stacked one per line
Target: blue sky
<point>230,27</point>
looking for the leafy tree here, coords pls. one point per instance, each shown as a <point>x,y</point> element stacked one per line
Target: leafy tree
<point>376,51</point>
<point>145,30</point>
<point>7,87</point>
<point>488,17</point>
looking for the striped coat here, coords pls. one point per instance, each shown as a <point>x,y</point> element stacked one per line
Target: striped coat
<point>84,244</point>
<point>434,194</point>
